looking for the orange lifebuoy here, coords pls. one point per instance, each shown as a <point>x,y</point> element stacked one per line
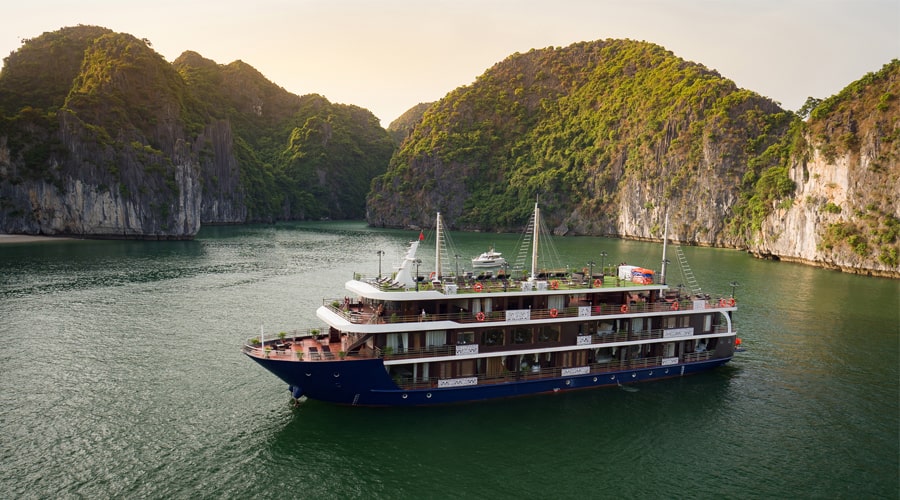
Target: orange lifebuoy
<point>597,282</point>
<point>554,312</point>
<point>731,302</point>
<point>479,287</point>
<point>624,308</point>
<point>675,306</point>
<point>721,302</point>
<point>431,276</point>
<point>554,284</point>
<point>480,316</point>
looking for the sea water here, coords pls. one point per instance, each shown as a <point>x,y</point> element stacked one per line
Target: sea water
<point>122,377</point>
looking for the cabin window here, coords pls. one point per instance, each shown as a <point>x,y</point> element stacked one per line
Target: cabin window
<point>548,333</point>
<point>603,355</point>
<point>465,338</point>
<point>397,341</point>
<point>669,349</point>
<point>521,335</point>
<point>436,339</point>
<point>495,366</point>
<point>579,300</point>
<point>684,321</point>
<point>493,337</point>
<point>481,305</point>
<point>557,302</point>
<point>466,368</point>
<point>605,327</point>
<point>707,323</point>
<point>637,325</point>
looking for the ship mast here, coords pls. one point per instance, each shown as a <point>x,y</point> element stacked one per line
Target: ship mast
<point>662,276</point>
<point>437,248</point>
<point>534,243</point>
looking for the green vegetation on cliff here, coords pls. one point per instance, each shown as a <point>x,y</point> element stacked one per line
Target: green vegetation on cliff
<point>589,128</point>
<point>104,108</point>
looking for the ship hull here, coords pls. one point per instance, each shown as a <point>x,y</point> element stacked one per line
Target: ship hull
<point>366,382</point>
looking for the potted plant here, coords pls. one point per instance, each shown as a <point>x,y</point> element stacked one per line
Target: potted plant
<point>300,355</point>
<point>342,354</point>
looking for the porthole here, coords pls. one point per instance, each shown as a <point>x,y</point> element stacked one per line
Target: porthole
<point>633,375</point>
<point>308,374</point>
<point>405,396</point>
<point>428,395</point>
<point>337,374</point>
<point>568,382</point>
<point>595,379</point>
<point>651,373</point>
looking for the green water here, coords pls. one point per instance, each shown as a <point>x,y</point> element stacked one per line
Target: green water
<point>122,378</point>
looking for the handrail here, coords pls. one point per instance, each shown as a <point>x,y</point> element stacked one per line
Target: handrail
<point>556,372</point>
<point>269,350</point>
<point>494,316</point>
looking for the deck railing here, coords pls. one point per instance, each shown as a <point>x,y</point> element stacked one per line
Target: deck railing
<point>555,372</point>
<point>366,315</point>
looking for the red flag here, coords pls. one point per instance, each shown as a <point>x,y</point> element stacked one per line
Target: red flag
<point>421,236</point>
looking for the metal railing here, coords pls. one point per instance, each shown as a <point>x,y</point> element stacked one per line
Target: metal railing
<point>369,317</point>
<point>555,372</point>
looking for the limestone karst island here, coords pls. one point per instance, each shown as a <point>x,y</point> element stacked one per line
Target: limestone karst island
<point>101,137</point>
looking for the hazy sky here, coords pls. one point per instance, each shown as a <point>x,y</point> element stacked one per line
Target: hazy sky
<point>388,55</point>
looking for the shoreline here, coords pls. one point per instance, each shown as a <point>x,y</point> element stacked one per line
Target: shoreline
<point>28,238</point>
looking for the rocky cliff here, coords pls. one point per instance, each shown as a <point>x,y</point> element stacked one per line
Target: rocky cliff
<point>101,137</point>
<point>614,134</point>
<point>844,213</point>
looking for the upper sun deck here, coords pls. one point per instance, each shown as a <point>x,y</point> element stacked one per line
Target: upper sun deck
<point>385,290</point>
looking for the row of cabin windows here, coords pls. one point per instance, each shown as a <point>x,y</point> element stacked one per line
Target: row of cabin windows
<point>492,337</point>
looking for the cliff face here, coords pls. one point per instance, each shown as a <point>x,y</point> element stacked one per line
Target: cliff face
<point>612,135</point>
<point>101,137</point>
<point>112,161</point>
<point>844,212</point>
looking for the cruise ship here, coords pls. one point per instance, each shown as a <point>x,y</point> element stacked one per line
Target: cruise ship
<point>402,340</point>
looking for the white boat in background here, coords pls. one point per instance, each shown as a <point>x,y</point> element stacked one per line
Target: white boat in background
<point>491,258</point>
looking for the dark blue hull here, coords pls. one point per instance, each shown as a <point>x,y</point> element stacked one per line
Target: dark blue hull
<point>367,383</point>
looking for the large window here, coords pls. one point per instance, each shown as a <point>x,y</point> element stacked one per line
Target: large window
<point>435,339</point>
<point>548,333</point>
<point>521,335</point>
<point>492,337</point>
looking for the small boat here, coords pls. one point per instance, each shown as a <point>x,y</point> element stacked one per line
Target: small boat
<point>491,258</point>
<point>399,341</point>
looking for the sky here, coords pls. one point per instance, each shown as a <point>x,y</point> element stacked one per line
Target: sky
<point>389,55</point>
